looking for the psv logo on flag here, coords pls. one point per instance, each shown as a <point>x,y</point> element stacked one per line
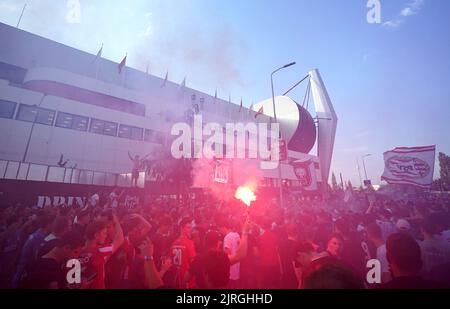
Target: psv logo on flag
<point>409,165</point>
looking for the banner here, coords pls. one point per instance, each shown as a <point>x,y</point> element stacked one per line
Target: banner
<point>410,166</point>
<point>302,172</point>
<point>221,171</point>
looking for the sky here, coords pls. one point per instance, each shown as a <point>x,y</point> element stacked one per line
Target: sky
<point>389,82</point>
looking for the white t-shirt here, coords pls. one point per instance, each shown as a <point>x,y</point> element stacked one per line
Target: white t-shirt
<point>231,245</point>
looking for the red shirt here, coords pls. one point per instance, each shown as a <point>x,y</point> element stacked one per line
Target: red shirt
<point>93,262</point>
<point>183,251</point>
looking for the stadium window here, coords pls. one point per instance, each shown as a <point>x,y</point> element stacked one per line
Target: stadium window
<point>103,127</point>
<point>153,136</point>
<point>69,121</point>
<point>7,109</point>
<point>124,131</point>
<point>130,132</point>
<point>110,128</point>
<point>97,126</point>
<point>80,123</point>
<point>64,120</point>
<point>136,133</point>
<point>32,113</point>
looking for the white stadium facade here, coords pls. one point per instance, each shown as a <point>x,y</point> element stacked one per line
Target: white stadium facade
<point>57,101</point>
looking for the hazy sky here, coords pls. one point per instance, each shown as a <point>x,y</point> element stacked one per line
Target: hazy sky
<point>389,82</point>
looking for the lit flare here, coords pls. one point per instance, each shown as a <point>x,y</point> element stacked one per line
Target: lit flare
<point>245,194</point>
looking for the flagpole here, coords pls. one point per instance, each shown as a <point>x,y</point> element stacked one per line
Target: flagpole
<point>125,71</point>
<point>359,172</point>
<point>20,18</point>
<point>98,62</point>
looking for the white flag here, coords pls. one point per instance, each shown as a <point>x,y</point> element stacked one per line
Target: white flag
<point>409,165</point>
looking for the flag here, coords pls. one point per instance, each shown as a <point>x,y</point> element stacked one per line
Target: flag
<point>409,165</point>
<point>240,106</point>
<point>260,112</point>
<point>122,64</point>
<point>99,54</point>
<point>183,83</point>
<point>165,79</point>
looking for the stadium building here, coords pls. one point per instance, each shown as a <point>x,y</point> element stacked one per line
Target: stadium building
<point>69,120</point>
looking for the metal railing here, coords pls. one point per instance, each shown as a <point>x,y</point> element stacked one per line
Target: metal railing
<point>14,170</point>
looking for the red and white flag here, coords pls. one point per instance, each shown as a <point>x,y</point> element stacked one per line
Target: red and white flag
<point>260,112</point>
<point>409,165</point>
<point>122,64</point>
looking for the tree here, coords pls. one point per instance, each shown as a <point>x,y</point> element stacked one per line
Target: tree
<point>444,166</point>
<point>334,182</point>
<point>349,185</point>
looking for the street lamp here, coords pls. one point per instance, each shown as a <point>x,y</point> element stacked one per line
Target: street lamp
<point>364,165</point>
<point>275,117</point>
<point>32,129</point>
<point>359,172</point>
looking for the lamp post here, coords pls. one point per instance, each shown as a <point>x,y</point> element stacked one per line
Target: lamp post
<point>359,172</point>
<point>32,129</point>
<point>364,165</point>
<point>275,117</point>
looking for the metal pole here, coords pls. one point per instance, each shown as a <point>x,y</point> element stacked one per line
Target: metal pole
<point>31,131</point>
<point>364,165</point>
<point>359,172</point>
<point>275,118</point>
<point>20,18</point>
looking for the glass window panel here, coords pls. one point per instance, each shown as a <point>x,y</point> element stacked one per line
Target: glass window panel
<point>3,168</point>
<point>11,170</point>
<point>64,120</point>
<point>124,131</point>
<point>7,109</point>
<point>27,113</point>
<point>110,128</point>
<point>80,123</point>
<point>75,176</point>
<point>68,175</point>
<point>45,116</point>
<point>23,171</point>
<point>136,133</point>
<point>97,126</point>
<point>37,172</point>
<point>86,177</point>
<point>99,178</point>
<point>55,174</point>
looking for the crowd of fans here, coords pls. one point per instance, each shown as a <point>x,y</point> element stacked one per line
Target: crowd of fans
<point>205,243</point>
